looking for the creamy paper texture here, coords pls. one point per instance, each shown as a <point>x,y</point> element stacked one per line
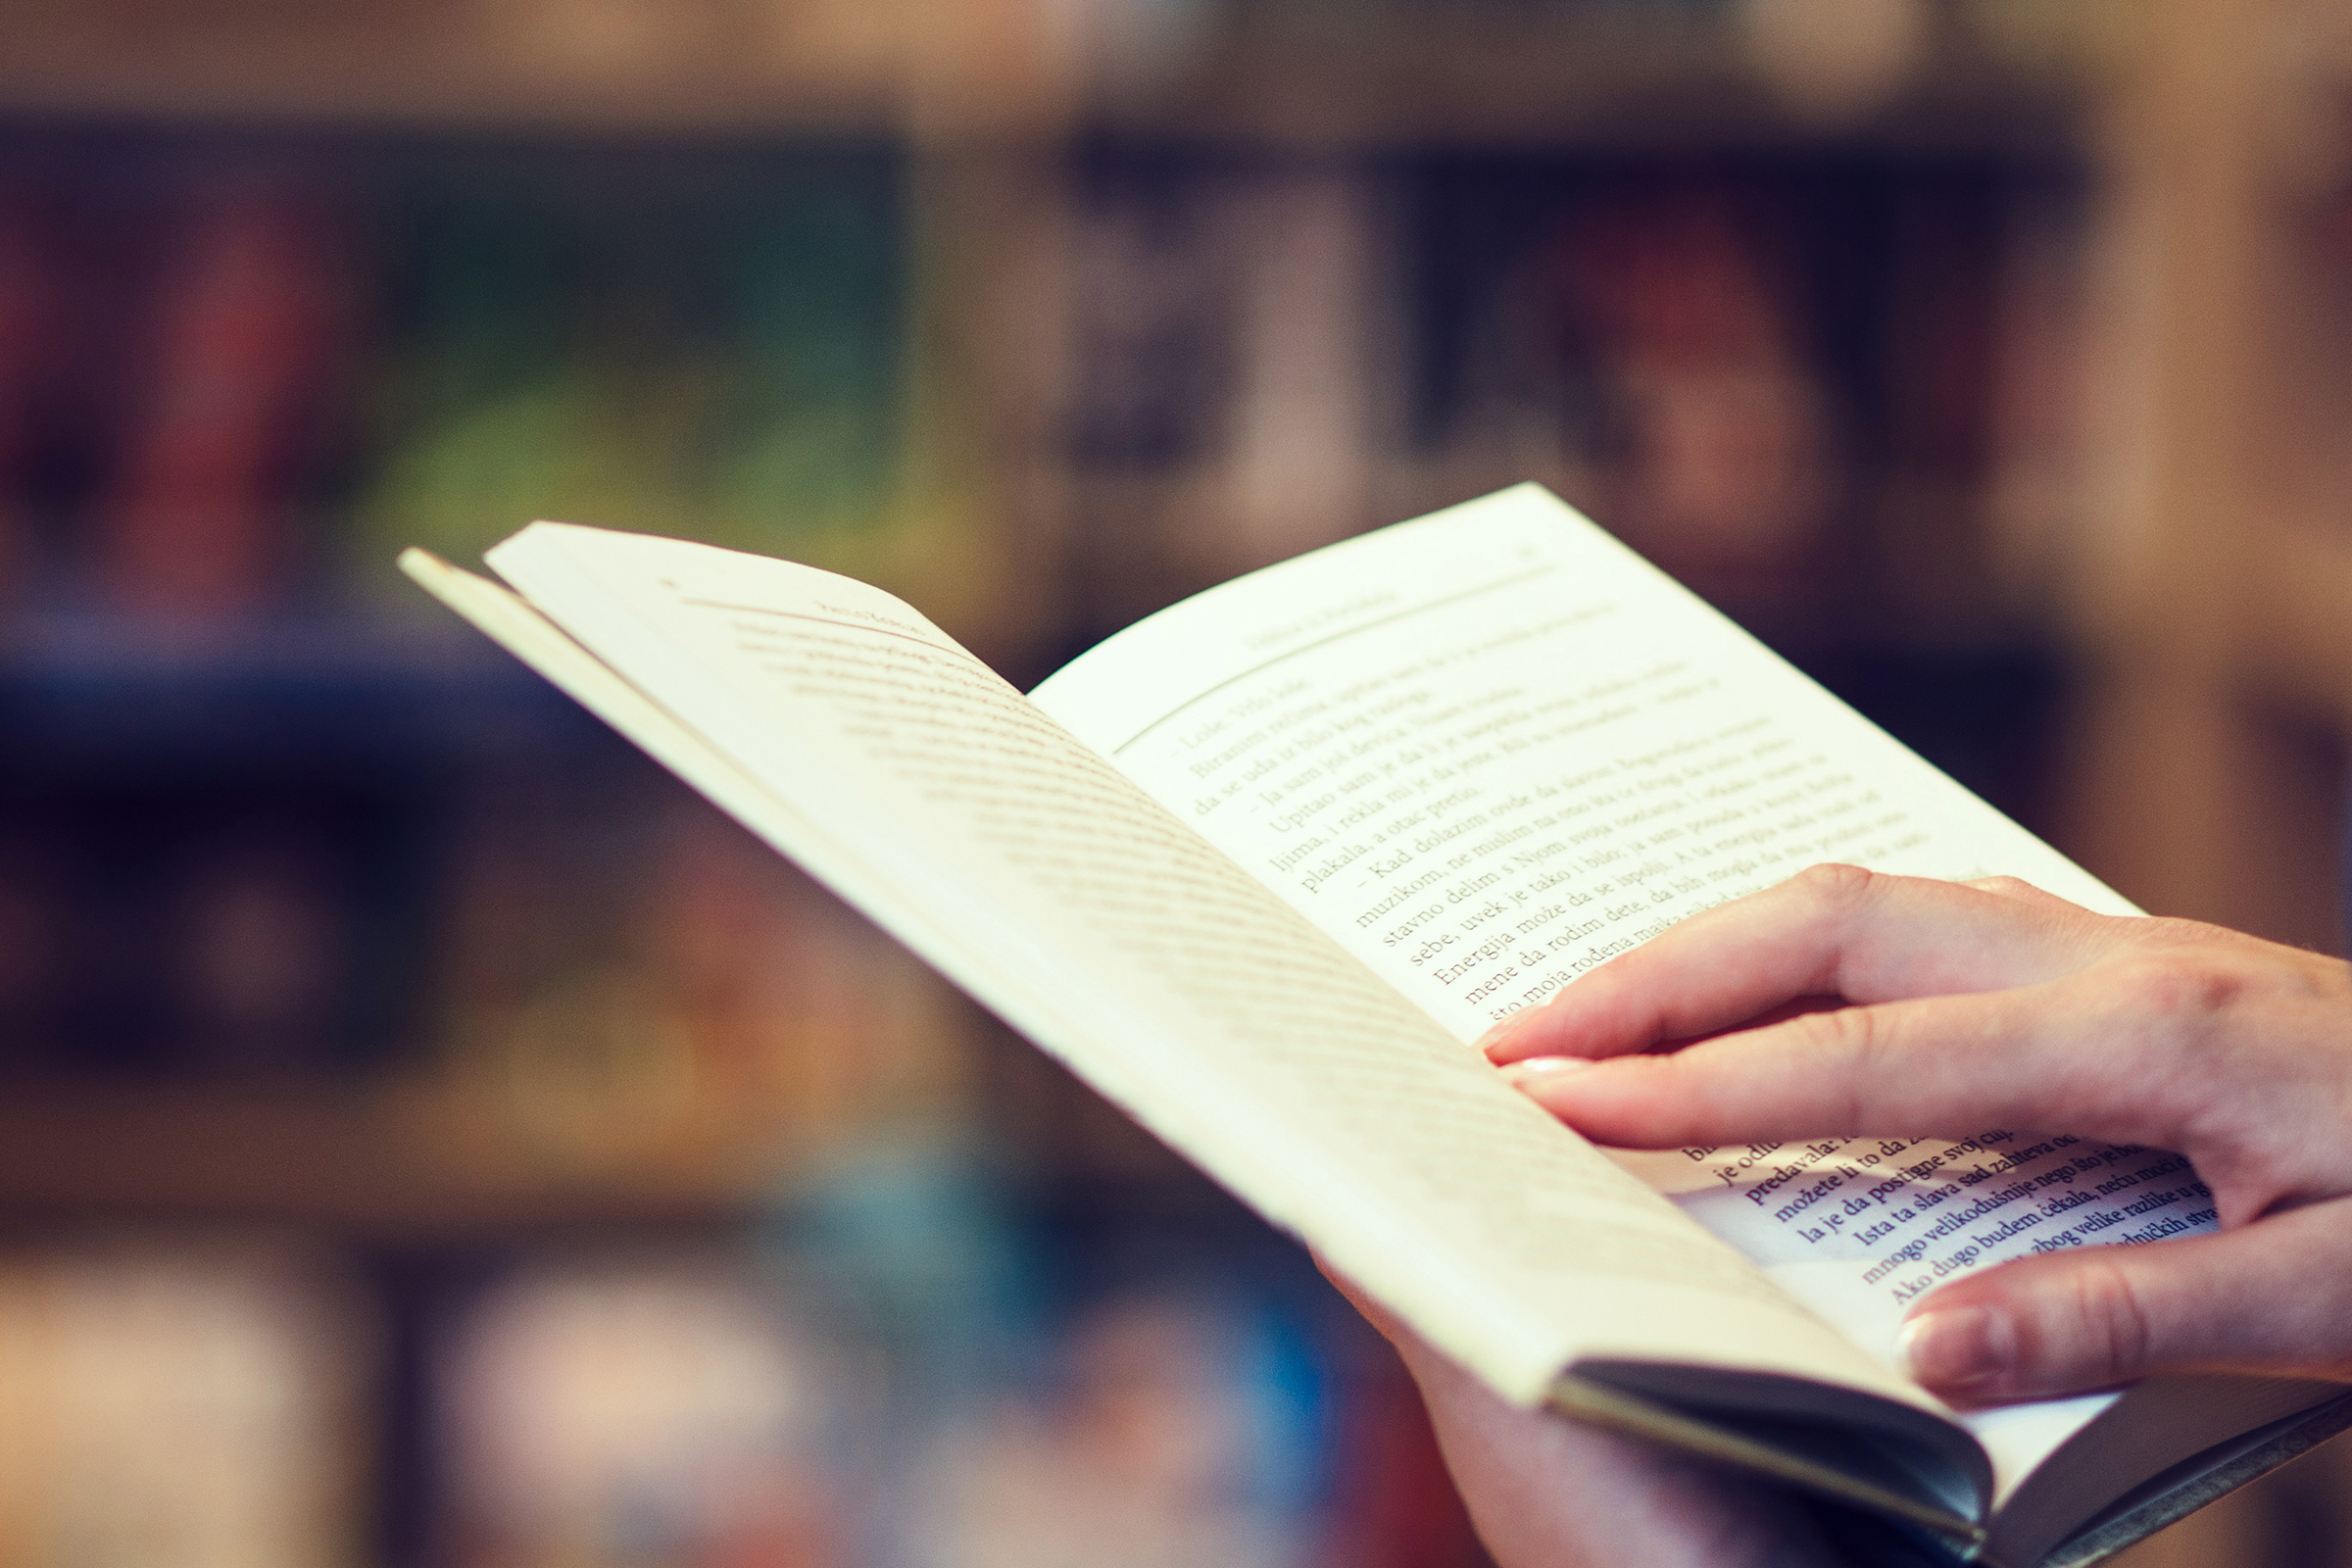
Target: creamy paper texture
<point>1492,748</point>
<point>858,739</point>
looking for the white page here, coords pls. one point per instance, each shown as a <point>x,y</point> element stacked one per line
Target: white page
<point>858,738</point>
<point>1490,749</point>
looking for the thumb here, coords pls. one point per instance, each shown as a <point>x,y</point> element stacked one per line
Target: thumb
<point>2268,1298</point>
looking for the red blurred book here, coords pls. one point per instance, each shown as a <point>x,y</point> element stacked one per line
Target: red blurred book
<point>252,306</point>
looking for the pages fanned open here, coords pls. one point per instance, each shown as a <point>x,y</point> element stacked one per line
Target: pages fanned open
<point>1257,867</point>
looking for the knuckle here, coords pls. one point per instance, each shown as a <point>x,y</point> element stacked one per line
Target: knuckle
<point>2106,1322</point>
<point>1848,1036</point>
<point>1836,887</point>
<point>1843,1030</point>
<point>2181,990</point>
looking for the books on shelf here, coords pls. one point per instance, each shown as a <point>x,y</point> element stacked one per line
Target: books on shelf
<point>188,1401</point>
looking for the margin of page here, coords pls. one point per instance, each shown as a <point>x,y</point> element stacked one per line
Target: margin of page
<point>531,635</point>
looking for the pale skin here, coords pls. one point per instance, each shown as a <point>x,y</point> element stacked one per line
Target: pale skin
<point>1843,1002</point>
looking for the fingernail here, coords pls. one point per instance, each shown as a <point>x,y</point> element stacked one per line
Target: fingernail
<point>1495,1037</point>
<point>1543,1068</point>
<point>1957,1347</point>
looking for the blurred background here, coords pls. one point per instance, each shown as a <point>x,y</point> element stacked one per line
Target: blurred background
<point>430,1136</point>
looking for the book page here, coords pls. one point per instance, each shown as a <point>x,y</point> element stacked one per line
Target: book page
<point>858,738</point>
<point>1492,748</point>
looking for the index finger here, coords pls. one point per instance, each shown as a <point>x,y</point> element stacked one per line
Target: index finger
<point>2049,1058</point>
<point>1833,930</point>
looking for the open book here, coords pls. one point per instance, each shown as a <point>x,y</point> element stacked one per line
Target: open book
<point>1257,867</point>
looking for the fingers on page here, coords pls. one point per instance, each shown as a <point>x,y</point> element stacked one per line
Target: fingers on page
<point>2043,1057</point>
<point>2264,1298</point>
<point>1832,930</point>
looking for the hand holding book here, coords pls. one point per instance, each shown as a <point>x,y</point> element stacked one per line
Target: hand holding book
<point>1257,867</point>
<point>1997,1003</point>
<point>1549,1493</point>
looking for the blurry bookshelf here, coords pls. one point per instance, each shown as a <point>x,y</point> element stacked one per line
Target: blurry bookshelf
<point>805,1398</point>
<point>278,837</point>
<point>621,1198</point>
<point>182,1402</point>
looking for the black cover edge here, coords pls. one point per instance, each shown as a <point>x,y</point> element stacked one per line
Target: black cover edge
<point>2310,1430</point>
<point>1585,1400</point>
